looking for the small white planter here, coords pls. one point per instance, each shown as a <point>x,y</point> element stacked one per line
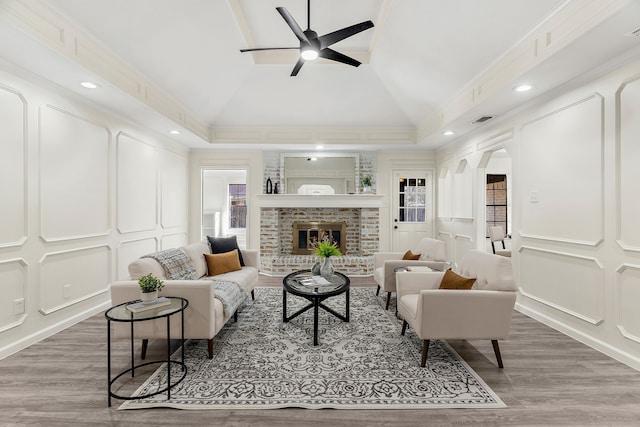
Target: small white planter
<point>148,297</point>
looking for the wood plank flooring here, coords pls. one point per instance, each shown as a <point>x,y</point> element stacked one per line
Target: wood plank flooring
<point>548,380</point>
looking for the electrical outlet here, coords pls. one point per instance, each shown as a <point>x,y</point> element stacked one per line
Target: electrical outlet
<point>66,291</point>
<point>18,306</point>
<point>533,197</point>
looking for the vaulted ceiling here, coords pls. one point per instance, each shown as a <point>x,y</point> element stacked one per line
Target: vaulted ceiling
<point>428,65</point>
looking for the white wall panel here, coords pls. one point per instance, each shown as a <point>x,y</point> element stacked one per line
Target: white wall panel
<point>628,161</point>
<point>445,189</point>
<point>13,227</point>
<point>131,250</point>
<point>174,190</point>
<point>562,174</point>
<point>447,238</point>
<point>13,285</point>
<point>628,284</point>
<point>463,191</point>
<point>570,283</point>
<point>173,241</point>
<point>74,176</point>
<point>137,176</point>
<point>87,271</point>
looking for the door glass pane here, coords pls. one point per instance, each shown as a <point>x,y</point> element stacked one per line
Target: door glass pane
<point>412,200</point>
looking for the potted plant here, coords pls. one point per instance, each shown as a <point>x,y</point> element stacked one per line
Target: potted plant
<point>325,250</point>
<point>366,183</point>
<point>149,287</point>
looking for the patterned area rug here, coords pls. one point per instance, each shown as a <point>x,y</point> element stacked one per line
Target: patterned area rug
<point>262,363</point>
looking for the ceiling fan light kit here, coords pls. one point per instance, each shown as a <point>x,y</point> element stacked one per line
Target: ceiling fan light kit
<point>312,46</point>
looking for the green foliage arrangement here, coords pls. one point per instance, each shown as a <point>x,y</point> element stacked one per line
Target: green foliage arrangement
<point>150,283</point>
<point>366,181</point>
<point>326,249</point>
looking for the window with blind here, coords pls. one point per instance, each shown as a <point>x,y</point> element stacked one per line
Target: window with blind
<point>496,199</point>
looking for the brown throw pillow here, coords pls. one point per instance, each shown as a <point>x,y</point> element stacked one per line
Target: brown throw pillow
<point>452,280</point>
<point>411,256</point>
<point>222,263</point>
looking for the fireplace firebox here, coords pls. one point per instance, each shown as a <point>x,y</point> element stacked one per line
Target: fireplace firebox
<point>307,234</point>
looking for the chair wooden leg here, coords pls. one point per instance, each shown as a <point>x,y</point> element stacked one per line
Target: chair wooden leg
<point>496,350</point>
<point>378,291</point>
<point>388,299</point>
<point>425,350</point>
<point>404,327</point>
<point>493,248</point>
<point>143,353</point>
<point>210,348</point>
<point>253,295</point>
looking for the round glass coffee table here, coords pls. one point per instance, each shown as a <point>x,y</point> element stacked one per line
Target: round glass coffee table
<point>301,283</point>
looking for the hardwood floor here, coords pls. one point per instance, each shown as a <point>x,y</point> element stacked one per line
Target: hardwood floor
<point>548,380</point>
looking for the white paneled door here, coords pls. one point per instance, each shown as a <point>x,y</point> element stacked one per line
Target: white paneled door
<point>412,209</point>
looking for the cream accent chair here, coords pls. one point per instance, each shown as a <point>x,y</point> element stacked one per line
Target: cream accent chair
<point>484,312</point>
<point>496,234</point>
<point>432,254</point>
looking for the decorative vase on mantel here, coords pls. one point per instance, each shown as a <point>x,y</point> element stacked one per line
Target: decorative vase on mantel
<point>326,268</point>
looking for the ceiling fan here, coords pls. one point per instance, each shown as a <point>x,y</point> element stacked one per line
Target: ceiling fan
<point>312,46</point>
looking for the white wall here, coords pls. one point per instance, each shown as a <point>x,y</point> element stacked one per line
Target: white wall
<point>83,193</point>
<point>251,161</point>
<point>576,235</point>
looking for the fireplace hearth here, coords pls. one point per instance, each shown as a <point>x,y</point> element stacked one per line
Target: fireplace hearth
<point>307,234</point>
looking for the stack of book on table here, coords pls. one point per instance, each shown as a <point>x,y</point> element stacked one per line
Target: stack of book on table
<point>137,307</point>
<point>314,281</point>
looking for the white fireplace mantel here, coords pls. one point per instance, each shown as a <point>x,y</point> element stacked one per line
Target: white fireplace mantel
<point>320,201</point>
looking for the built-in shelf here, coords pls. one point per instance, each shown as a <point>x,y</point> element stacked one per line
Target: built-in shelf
<point>320,201</point>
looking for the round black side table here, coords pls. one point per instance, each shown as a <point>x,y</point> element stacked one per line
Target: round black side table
<point>120,313</point>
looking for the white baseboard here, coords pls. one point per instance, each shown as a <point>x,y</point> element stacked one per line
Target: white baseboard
<point>51,330</point>
<point>613,352</point>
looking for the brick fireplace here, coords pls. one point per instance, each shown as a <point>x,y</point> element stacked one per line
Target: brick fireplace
<point>359,213</point>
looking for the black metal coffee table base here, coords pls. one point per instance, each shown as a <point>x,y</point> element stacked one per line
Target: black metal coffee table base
<point>315,295</point>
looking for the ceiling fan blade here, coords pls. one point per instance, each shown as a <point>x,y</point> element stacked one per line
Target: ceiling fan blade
<point>292,24</point>
<point>331,54</point>
<point>266,48</point>
<point>297,67</point>
<point>336,36</point>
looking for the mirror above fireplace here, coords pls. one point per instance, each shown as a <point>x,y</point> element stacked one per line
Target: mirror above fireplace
<point>319,173</point>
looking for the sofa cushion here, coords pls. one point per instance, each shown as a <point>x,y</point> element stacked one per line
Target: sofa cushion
<point>451,280</point>
<point>195,251</point>
<point>143,266</point>
<point>223,263</point>
<point>411,256</point>
<point>225,244</point>
<point>247,277</point>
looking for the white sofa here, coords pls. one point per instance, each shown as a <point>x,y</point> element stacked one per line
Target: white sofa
<point>204,317</point>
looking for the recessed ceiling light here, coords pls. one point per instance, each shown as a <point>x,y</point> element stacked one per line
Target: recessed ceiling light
<point>90,85</point>
<point>448,132</point>
<point>174,132</point>
<point>523,88</point>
